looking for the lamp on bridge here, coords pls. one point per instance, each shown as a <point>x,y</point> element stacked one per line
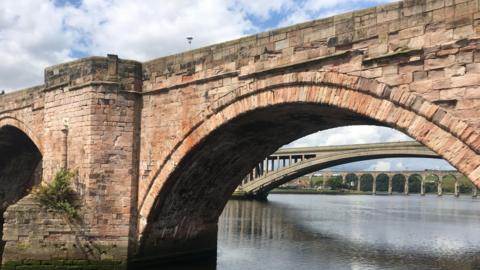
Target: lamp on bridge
<point>189,40</point>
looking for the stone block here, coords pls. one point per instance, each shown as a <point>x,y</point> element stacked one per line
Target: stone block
<point>439,62</point>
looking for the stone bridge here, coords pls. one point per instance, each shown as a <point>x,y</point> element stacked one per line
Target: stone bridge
<point>290,163</point>
<point>160,146</point>
<point>408,178</point>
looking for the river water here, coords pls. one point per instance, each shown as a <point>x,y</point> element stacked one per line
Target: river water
<point>350,232</point>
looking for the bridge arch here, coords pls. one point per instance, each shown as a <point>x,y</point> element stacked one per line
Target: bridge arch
<point>20,161</point>
<point>398,182</point>
<point>190,190</point>
<point>415,183</point>
<point>13,122</point>
<point>261,186</point>
<point>381,182</point>
<point>366,182</point>
<point>20,164</point>
<point>351,179</point>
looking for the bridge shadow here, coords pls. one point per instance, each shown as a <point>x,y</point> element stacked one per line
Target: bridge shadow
<point>20,170</point>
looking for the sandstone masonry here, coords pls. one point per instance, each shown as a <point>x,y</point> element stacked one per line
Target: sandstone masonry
<point>161,145</point>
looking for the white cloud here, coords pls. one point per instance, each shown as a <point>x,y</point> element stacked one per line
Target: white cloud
<point>351,135</point>
<point>369,134</point>
<point>31,38</point>
<point>399,166</point>
<point>380,165</point>
<point>36,34</point>
<point>148,30</point>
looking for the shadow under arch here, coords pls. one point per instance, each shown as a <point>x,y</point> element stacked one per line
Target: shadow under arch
<point>20,167</point>
<point>414,183</point>
<point>381,182</point>
<point>366,182</point>
<point>13,122</point>
<point>195,181</point>
<point>351,179</point>
<point>398,182</point>
<point>431,183</point>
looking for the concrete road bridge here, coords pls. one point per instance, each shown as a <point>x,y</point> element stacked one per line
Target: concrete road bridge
<point>260,186</point>
<point>161,145</point>
<point>290,163</point>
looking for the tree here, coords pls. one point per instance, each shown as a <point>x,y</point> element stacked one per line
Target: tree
<point>335,183</point>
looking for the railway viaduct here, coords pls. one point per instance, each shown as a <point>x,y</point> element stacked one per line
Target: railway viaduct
<point>160,146</point>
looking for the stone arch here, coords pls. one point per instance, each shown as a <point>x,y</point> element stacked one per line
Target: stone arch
<point>351,179</point>
<point>382,182</point>
<point>20,160</point>
<point>414,183</point>
<point>20,165</point>
<point>366,182</point>
<point>398,182</point>
<point>431,182</point>
<point>366,99</point>
<point>448,182</point>
<point>11,121</point>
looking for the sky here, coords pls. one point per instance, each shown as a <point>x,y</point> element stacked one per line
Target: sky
<point>35,34</point>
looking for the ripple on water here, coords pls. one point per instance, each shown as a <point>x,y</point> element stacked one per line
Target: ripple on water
<point>350,232</point>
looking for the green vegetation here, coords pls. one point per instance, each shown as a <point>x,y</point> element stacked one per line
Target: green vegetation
<point>58,195</point>
<point>336,183</point>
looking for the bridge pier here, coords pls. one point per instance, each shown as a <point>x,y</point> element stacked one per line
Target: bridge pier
<point>374,184</point>
<point>474,192</point>
<point>94,130</point>
<point>406,187</point>
<point>422,185</point>
<point>390,179</point>
<point>457,189</point>
<point>439,187</point>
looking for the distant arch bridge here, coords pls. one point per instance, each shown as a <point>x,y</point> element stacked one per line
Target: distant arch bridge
<point>290,163</point>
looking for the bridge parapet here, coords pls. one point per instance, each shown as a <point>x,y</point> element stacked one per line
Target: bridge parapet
<point>32,96</point>
<point>111,69</point>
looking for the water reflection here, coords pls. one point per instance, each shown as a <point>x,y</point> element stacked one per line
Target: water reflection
<point>350,232</point>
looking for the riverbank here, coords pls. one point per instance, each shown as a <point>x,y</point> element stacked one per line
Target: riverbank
<point>238,195</point>
<point>315,191</point>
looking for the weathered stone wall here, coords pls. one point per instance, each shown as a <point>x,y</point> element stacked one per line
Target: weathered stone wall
<point>52,241</point>
<point>24,110</point>
<point>89,124</point>
<point>424,51</point>
<point>412,65</point>
<point>427,47</point>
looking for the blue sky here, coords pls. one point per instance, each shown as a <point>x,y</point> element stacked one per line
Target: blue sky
<point>35,34</point>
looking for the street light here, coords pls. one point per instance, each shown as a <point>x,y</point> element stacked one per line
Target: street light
<point>189,40</point>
